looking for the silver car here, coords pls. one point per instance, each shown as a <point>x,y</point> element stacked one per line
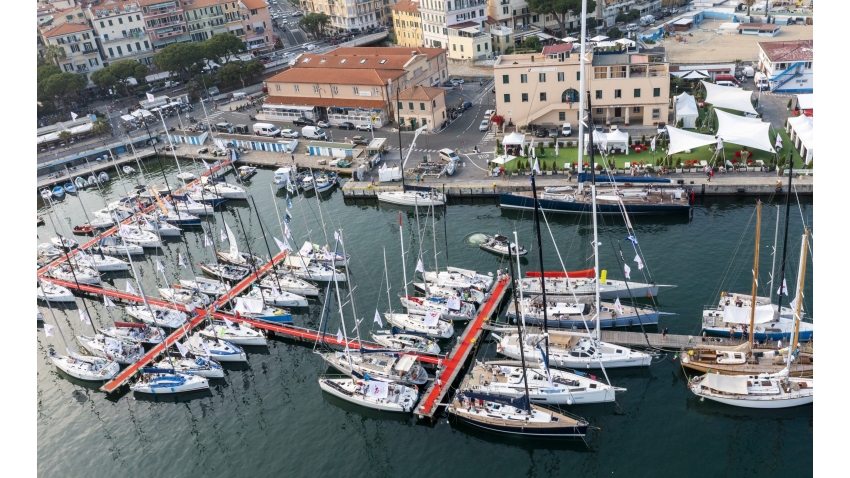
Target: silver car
<point>288,133</point>
<point>485,125</point>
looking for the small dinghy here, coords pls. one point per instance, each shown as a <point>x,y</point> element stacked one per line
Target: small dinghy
<point>70,188</point>
<point>106,347</point>
<point>429,324</point>
<point>185,176</point>
<point>386,396</point>
<point>128,170</point>
<point>103,177</point>
<point>93,369</point>
<point>233,332</point>
<point>186,297</point>
<point>58,192</point>
<point>163,317</point>
<point>50,292</point>
<point>114,245</point>
<point>160,381</point>
<point>83,229</point>
<point>306,182</point>
<point>498,244</point>
<point>246,172</point>
<point>217,349</point>
<point>256,309</point>
<point>80,273</point>
<point>64,242</point>
<point>91,181</point>
<point>396,340</point>
<point>277,297</point>
<point>133,332</point>
<point>45,194</point>
<point>225,271</point>
<point>202,366</point>
<point>80,183</point>
<point>210,287</point>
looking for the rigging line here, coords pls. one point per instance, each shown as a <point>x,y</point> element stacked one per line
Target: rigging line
<point>732,263</point>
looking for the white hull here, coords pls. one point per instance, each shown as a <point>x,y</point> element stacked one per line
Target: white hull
<point>611,289</point>
<point>141,238</point>
<point>168,318</point>
<point>376,365</point>
<point>281,299</point>
<point>150,335</point>
<point>113,246</point>
<point>108,264</point>
<point>566,389</point>
<point>244,335</point>
<point>400,399</point>
<point>423,305</point>
<point>92,369</point>
<point>206,368</point>
<point>406,342</point>
<point>126,354</point>
<point>161,229</point>
<point>206,286</point>
<point>609,355</point>
<point>164,384</point>
<point>313,272</point>
<point>83,275</point>
<point>762,391</point>
<point>219,350</point>
<point>412,198</point>
<point>227,191</point>
<point>291,284</point>
<point>184,297</point>
<point>54,293</point>
<point>185,176</point>
<point>416,323</point>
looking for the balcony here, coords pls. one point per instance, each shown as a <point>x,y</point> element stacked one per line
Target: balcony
<point>459,5</point>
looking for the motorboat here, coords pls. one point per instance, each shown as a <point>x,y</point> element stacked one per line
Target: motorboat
<point>325,182</point>
<point>283,176</point>
<point>50,292</point>
<point>69,188</point>
<point>290,284</point>
<point>306,182</point>
<point>303,268</point>
<point>106,347</point>
<point>323,255</point>
<point>386,396</point>
<point>83,229</point>
<point>404,369</point>
<point>201,366</point>
<point>256,309</point>
<point>115,246</point>
<point>161,381</point>
<point>103,177</point>
<point>128,170</point>
<point>153,225</point>
<point>210,287</point>
<point>731,318</point>
<point>276,297</point>
<point>568,313</point>
<point>233,332</point>
<point>225,271</point>
<point>135,333</point>
<point>776,390</point>
<point>58,192</point>
<point>498,244</point>
<point>92,369</point>
<point>45,194</point>
<point>186,176</point>
<point>217,349</point>
<point>64,242</point>
<point>135,235</point>
<point>397,340</point>
<point>245,172</point>
<point>429,324</point>
<point>79,273</point>
<point>451,308</point>
<point>572,350</point>
<point>163,317</point>
<point>226,190</point>
<point>186,297</point>
<point>413,198</point>
<point>80,182</point>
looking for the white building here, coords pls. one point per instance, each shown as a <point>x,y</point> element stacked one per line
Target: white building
<point>120,31</point>
<point>348,15</point>
<point>788,65</point>
<point>81,53</point>
<point>460,26</point>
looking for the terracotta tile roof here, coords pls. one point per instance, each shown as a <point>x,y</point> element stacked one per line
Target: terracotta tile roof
<point>407,6</point>
<point>421,93</point>
<point>490,20</point>
<point>254,4</point>
<point>458,26</point>
<point>353,62</point>
<point>66,28</point>
<point>338,76</point>
<point>387,51</point>
<point>552,49</point>
<point>154,2</point>
<point>802,50</point>
<point>337,102</point>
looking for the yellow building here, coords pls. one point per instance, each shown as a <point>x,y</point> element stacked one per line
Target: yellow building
<point>421,106</point>
<point>408,23</point>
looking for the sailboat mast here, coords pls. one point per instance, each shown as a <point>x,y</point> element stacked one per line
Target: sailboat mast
<point>581,86</point>
<point>50,307</point>
<point>266,240</point>
<point>519,273</point>
<point>321,217</point>
<point>785,240</point>
<point>350,291</point>
<point>387,278</point>
<point>434,236</point>
<point>755,275</point>
<point>342,324</point>
<point>540,258</point>
<point>801,280</point>
<point>170,144</point>
<point>519,328</point>
<point>773,265</point>
<point>252,261</point>
<point>592,167</point>
<point>403,267</point>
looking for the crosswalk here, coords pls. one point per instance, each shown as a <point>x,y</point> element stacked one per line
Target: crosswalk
<point>418,150</point>
<point>487,137</point>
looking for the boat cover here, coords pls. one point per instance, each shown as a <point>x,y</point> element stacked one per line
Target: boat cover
<point>741,315</point>
<point>583,274</point>
<point>517,402</point>
<point>405,363</point>
<point>726,383</point>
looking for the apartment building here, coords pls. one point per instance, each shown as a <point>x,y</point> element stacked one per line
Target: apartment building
<point>627,87</point>
<point>607,10</point>
<point>165,22</point>
<point>460,26</point>
<point>355,84</point>
<point>421,106</point>
<point>407,23</point>
<point>53,15</point>
<point>78,41</point>
<point>348,15</point>
<point>256,25</point>
<point>788,65</point>
<point>206,18</point>
<point>120,30</point>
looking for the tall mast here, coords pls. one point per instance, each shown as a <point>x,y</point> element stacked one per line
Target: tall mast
<point>519,330</point>
<point>387,278</point>
<point>581,86</point>
<point>540,257</point>
<point>785,241</point>
<point>403,267</point>
<point>755,275</point>
<point>350,290</point>
<point>801,280</point>
<point>773,265</point>
<point>434,237</point>
<point>592,167</point>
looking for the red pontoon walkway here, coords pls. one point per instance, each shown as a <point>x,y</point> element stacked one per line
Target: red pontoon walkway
<point>433,396</point>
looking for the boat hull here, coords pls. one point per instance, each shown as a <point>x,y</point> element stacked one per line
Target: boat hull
<point>624,321</point>
<point>338,388</point>
<point>512,201</point>
<point>569,431</point>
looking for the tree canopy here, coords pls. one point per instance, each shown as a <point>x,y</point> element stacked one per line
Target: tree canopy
<point>560,9</point>
<point>315,23</point>
<point>222,46</point>
<point>178,58</point>
<point>59,86</point>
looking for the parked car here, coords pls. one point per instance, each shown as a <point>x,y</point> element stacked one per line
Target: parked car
<point>662,128</point>
<point>566,129</point>
<point>288,133</point>
<point>157,89</point>
<point>302,121</point>
<point>360,140</point>
<point>458,81</point>
<point>364,127</point>
<point>323,124</point>
<point>540,133</point>
<point>484,126</point>
<point>552,132</point>
<point>346,125</point>
<point>489,113</point>
<point>466,105</point>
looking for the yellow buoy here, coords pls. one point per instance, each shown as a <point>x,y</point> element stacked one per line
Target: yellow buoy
<point>604,276</point>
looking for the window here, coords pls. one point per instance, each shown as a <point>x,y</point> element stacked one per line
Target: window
<point>296,88</point>
<point>562,116</point>
<point>656,113</point>
<point>637,92</point>
<point>461,48</point>
<point>102,25</point>
<point>422,106</point>
<point>110,52</point>
<point>598,94</point>
<point>335,90</point>
<point>507,98</point>
<point>479,47</point>
<point>600,72</point>
<point>525,97</point>
<point>424,121</point>
<point>315,88</point>
<point>410,105</point>
<point>560,76</point>
<point>505,79</point>
<point>68,67</point>
<point>75,48</point>
<point>578,76</point>
<point>356,91</point>
<point>523,78</point>
<point>454,47</point>
<point>147,46</point>
<point>138,46</point>
<point>542,77</point>
<point>636,109</point>
<point>656,92</point>
<point>433,103</point>
<point>93,62</point>
<point>120,20</point>
<point>599,111</point>
<point>542,96</point>
<point>119,50</point>
<point>129,48</point>
<point>277,87</point>
<point>618,93</point>
<point>110,22</point>
<point>400,105</point>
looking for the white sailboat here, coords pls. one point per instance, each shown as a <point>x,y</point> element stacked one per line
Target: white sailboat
<point>51,292</point>
<point>403,369</point>
<point>450,308</point>
<point>161,381</point>
<point>233,332</point>
<point>302,268</point>
<point>429,324</point>
<point>413,198</point>
<point>219,350</point>
<point>103,263</point>
<point>466,294</point>
<point>79,273</point>
<point>162,316</point>
<point>206,286</point>
<point>323,255</point>
<point>135,235</point>
<point>111,349</point>
<point>64,242</point>
<point>276,297</point>
<point>386,396</point>
<point>397,340</point>
<point>186,297</point>
<point>233,256</point>
<point>201,366</point>
<point>225,190</point>
<point>290,284</point>
<point>162,228</point>
<point>133,332</point>
<point>115,246</point>
<point>92,369</point>
<point>608,288</point>
<point>226,271</point>
<point>459,278</point>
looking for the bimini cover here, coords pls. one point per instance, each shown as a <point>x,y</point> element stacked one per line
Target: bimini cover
<point>741,315</point>
<point>729,97</point>
<point>245,305</point>
<point>750,132</point>
<point>680,140</point>
<point>726,383</point>
<point>405,363</point>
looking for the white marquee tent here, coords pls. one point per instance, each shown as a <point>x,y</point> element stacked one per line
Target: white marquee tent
<point>681,140</point>
<point>729,97</point>
<point>686,111</point>
<point>750,132</point>
<point>802,136</point>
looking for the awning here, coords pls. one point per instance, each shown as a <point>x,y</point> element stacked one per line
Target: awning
<point>729,97</point>
<point>681,140</point>
<point>736,384</point>
<point>741,315</point>
<point>806,102</point>
<point>514,139</point>
<point>598,38</point>
<point>405,363</point>
<point>569,39</point>
<point>750,132</point>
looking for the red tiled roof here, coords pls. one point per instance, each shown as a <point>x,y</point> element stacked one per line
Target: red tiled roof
<point>66,28</point>
<point>344,76</point>
<point>407,6</point>
<point>254,4</point>
<point>552,49</point>
<point>801,50</point>
<point>337,102</point>
<point>387,51</point>
<point>421,93</point>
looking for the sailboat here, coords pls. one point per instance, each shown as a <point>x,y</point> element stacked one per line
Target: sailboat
<point>310,270</point>
<point>499,244</point>
<point>233,256</point>
<point>223,189</point>
<point>111,349</point>
<point>82,367</point>
<point>201,366</point>
<point>312,252</point>
<point>430,324</point>
<point>114,245</point>
<point>459,278</point>
<point>162,316</point>
<point>290,284</point>
<point>451,308</point>
<point>234,333</point>
<point>768,390</point>
<point>383,395</point>
<point>77,273</point>
<point>160,227</point>
<point>206,286</point>
<point>256,309</point>
<point>161,381</point>
<point>217,349</point>
<point>569,313</point>
<point>187,297</point>
<point>276,297</point>
<point>64,242</point>
<point>398,340</point>
<point>225,271</point>
<point>584,283</point>
<point>133,332</point>
<point>48,291</point>
<point>135,235</point>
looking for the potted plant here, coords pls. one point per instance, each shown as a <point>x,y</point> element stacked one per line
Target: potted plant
<point>555,167</point>
<point>679,168</point>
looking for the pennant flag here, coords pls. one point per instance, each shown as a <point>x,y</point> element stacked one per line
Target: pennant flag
<point>783,289</point>
<point>207,241</point>
<point>223,236</point>
<point>160,267</point>
<point>283,246</point>
<point>338,237</point>
<point>287,231</point>
<point>73,116</point>
<point>85,317</point>
<point>652,144</point>
<point>289,189</point>
<point>639,262</point>
<point>150,97</point>
<point>287,217</point>
<point>556,148</point>
<point>180,260</point>
<point>107,302</point>
<point>288,202</point>
<point>419,266</point>
<point>632,239</point>
<point>48,330</point>
<point>130,289</point>
<point>618,306</point>
<point>168,205</point>
<point>536,166</point>
<point>182,349</point>
<point>626,271</point>
<point>338,335</point>
<point>378,319</point>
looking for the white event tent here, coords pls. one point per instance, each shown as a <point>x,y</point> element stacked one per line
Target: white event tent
<point>800,129</point>
<point>729,97</point>
<point>681,140</point>
<point>750,132</point>
<point>686,111</point>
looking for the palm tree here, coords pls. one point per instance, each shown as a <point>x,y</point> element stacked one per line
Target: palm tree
<point>55,53</point>
<point>749,3</point>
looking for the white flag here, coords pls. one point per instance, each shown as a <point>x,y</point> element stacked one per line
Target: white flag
<point>378,319</point>
<point>639,262</point>
<point>556,148</point>
<point>431,318</point>
<point>48,330</point>
<point>73,116</point>
<point>618,306</point>
<point>160,267</point>
<point>783,289</point>
<point>419,266</point>
<point>180,260</point>
<point>205,348</point>
<point>378,389</point>
<point>282,245</point>
<point>287,231</point>
<point>207,241</point>
<point>339,335</point>
<point>181,348</point>
<point>536,166</point>
<point>150,97</point>
<point>229,323</point>
<point>206,166</point>
<point>84,317</point>
<point>338,237</point>
<point>107,302</point>
<point>626,271</point>
<point>130,289</point>
<point>652,144</point>
<point>454,303</point>
<point>223,236</point>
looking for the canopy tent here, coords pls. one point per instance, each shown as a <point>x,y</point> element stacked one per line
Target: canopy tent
<point>729,97</point>
<point>802,136</point>
<point>686,111</point>
<point>598,38</point>
<point>696,75</point>
<point>569,39</point>
<point>141,113</point>
<point>606,141</point>
<point>750,132</point>
<point>681,140</point>
<point>806,101</point>
<point>514,139</point>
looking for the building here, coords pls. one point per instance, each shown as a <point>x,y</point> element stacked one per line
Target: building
<point>460,26</point>
<point>607,10</point>
<point>759,29</point>
<point>165,22</point>
<point>206,18</point>
<point>78,41</point>
<point>421,106</point>
<point>348,15</point>
<point>407,23</point>
<point>121,33</point>
<point>788,65</point>
<point>355,84</point>
<point>256,29</point>
<point>627,87</point>
<point>53,15</point>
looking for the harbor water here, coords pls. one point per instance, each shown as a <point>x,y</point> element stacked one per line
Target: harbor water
<point>269,418</point>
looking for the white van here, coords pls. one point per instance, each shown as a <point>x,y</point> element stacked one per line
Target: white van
<point>760,82</point>
<point>313,132</point>
<point>727,83</point>
<point>266,129</point>
<point>239,95</point>
<point>449,155</point>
